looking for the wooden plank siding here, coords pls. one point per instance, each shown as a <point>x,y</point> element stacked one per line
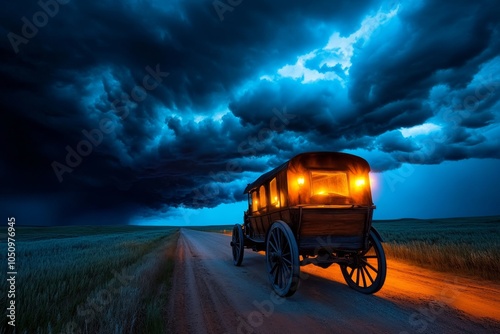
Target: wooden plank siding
<point>333,229</point>
<point>261,223</point>
<point>318,222</point>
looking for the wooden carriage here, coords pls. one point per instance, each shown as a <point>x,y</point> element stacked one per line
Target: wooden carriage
<point>315,209</point>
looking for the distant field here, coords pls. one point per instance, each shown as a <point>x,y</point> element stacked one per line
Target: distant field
<point>91,279</point>
<point>468,246</point>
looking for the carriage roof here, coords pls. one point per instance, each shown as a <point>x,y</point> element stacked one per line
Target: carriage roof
<point>326,160</point>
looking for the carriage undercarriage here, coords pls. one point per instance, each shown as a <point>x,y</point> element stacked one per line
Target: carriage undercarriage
<point>363,270</point>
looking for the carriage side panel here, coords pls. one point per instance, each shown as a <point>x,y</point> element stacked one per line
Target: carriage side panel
<point>343,229</point>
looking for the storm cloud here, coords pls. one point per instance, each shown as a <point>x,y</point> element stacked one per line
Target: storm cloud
<point>140,106</point>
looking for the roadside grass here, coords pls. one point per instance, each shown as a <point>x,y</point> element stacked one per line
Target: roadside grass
<point>110,279</point>
<point>467,246</point>
<point>154,301</point>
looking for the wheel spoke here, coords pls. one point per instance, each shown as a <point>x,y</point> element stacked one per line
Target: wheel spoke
<point>272,241</point>
<point>273,268</point>
<point>368,273</point>
<point>357,276</point>
<point>280,281</point>
<point>276,275</point>
<point>278,239</point>
<point>287,261</point>
<point>361,269</point>
<point>286,269</point>
<point>369,265</point>
<point>370,256</point>
<point>352,270</point>
<point>273,246</point>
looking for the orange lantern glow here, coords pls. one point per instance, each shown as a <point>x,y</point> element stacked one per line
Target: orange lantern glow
<point>300,180</point>
<point>360,182</point>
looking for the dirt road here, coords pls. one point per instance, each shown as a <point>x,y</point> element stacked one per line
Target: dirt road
<point>210,295</point>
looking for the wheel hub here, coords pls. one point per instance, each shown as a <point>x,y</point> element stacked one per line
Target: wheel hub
<point>356,261</point>
<point>276,257</point>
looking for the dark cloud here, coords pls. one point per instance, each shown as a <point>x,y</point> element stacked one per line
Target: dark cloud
<point>425,38</point>
<point>136,106</point>
<point>394,141</point>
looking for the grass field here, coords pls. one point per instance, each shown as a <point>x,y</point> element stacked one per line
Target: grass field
<point>107,279</point>
<point>469,246</point>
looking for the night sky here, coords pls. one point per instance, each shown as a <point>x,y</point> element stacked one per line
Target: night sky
<point>160,112</point>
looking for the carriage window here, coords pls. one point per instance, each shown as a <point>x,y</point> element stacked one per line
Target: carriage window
<point>273,189</point>
<point>262,197</point>
<point>255,201</point>
<point>329,183</point>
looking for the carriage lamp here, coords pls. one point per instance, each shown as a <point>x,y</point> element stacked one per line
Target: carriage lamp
<point>359,182</point>
<point>300,180</point>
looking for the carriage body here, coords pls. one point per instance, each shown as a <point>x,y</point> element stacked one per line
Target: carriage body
<point>320,205</point>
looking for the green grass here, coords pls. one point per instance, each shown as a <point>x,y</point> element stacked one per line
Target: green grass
<point>98,279</point>
<point>468,246</point>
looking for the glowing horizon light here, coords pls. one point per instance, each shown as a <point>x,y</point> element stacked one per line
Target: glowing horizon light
<point>373,180</point>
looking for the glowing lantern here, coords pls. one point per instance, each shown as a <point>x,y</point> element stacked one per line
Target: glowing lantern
<point>360,182</point>
<point>300,181</point>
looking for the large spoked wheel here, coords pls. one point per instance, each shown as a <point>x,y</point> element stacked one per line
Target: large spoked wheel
<point>282,259</point>
<point>367,271</point>
<point>237,245</point>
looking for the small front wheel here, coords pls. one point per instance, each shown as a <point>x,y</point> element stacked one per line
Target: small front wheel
<point>237,244</point>
<point>367,271</point>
